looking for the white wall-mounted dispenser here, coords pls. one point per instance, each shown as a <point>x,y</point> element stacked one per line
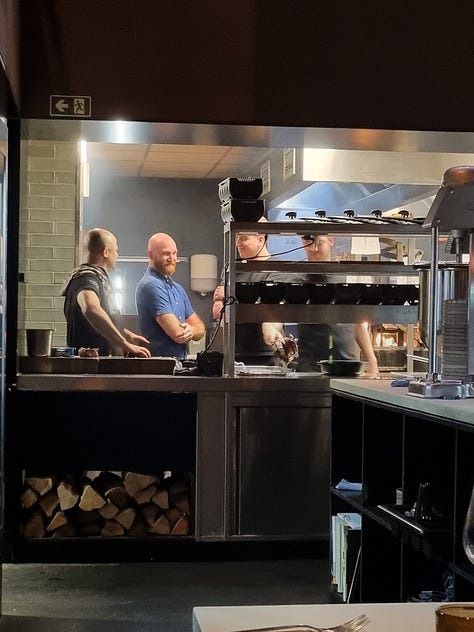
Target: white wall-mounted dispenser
<point>203,273</point>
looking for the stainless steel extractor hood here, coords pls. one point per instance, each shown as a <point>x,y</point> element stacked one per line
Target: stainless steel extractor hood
<point>337,179</point>
<point>335,197</point>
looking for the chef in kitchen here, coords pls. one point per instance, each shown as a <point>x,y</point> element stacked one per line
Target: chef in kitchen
<point>323,341</point>
<point>250,347</point>
<point>165,313</point>
<point>92,319</point>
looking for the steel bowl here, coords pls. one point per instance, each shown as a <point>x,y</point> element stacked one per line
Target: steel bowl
<point>341,368</point>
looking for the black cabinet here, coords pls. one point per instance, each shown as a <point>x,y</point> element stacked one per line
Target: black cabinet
<point>402,458</point>
<point>282,471</point>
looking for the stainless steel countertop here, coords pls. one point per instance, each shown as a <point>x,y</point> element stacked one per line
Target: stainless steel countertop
<point>381,391</point>
<point>293,382</point>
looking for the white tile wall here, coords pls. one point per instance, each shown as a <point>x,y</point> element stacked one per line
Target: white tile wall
<point>49,225</point>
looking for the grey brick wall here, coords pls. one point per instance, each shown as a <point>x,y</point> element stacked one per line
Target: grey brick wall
<point>49,228</point>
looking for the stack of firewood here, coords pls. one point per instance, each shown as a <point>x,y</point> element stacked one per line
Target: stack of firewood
<point>105,503</point>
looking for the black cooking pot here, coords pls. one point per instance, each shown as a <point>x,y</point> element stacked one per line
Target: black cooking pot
<point>341,368</point>
<point>371,294</point>
<point>247,292</point>
<point>347,293</point>
<point>396,294</point>
<point>272,292</point>
<point>297,293</point>
<point>321,293</point>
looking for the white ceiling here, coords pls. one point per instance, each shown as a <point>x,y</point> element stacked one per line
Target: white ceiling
<point>175,161</point>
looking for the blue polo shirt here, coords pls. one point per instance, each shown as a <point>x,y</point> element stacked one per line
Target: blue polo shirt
<point>156,295</point>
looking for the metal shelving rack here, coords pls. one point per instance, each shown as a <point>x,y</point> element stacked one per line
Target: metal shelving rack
<point>248,313</point>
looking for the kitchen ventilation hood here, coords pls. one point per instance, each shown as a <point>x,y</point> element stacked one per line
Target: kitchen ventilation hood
<point>335,197</point>
<point>337,179</point>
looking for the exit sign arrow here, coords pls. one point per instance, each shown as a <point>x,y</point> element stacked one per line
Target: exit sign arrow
<point>74,106</point>
<point>61,105</point>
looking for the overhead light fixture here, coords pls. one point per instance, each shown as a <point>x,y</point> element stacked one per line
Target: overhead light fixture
<point>84,173</point>
<point>83,150</point>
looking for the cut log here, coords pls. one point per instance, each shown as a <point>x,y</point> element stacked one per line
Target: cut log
<point>173,515</point>
<point>177,487</point>
<point>90,499</point>
<point>135,482</point>
<point>139,528</point>
<point>181,526</point>
<point>161,526</point>
<point>66,531</point>
<point>28,498</point>
<point>112,529</point>
<point>58,520</point>
<point>91,529</point>
<point>126,517</point>
<point>149,513</point>
<point>109,510</point>
<point>181,501</point>
<point>118,496</point>
<point>35,527</point>
<point>161,498</point>
<point>68,495</point>
<point>92,474</point>
<point>106,481</point>
<point>81,518</point>
<point>49,502</point>
<point>40,484</point>
<point>110,485</point>
<point>146,494</point>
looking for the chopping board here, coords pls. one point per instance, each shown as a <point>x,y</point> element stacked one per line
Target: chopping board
<point>137,366</point>
<point>47,364</point>
<point>114,365</point>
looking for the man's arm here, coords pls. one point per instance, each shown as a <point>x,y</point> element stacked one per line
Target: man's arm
<point>363,340</point>
<point>192,329</point>
<point>198,327</point>
<point>217,301</point>
<point>90,306</point>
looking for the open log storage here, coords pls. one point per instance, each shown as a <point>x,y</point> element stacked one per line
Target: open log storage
<point>254,451</point>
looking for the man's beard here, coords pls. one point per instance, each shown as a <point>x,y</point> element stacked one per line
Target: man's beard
<point>167,269</point>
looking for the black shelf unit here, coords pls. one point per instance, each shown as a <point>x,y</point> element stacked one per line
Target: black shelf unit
<point>388,448</point>
<point>240,312</point>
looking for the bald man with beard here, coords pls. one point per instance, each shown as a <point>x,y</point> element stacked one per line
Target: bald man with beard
<point>166,316</point>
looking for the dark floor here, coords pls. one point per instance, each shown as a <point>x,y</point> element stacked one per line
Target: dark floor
<point>141,597</point>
